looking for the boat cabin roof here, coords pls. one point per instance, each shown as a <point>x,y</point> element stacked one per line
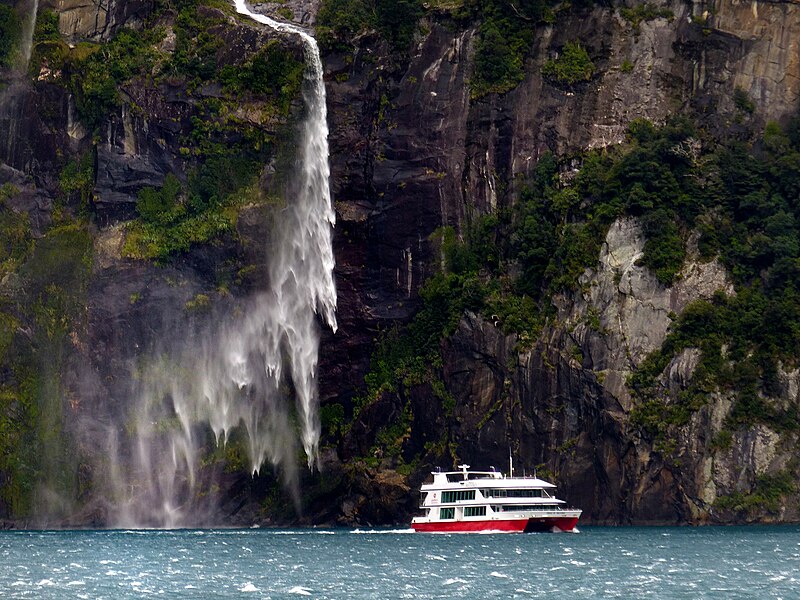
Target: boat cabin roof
<point>492,478</point>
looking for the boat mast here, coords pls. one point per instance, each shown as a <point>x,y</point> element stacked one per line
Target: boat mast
<point>510,463</point>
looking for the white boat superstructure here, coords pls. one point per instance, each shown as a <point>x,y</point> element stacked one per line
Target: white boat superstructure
<point>466,501</point>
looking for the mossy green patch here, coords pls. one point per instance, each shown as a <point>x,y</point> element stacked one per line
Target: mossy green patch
<point>34,451</point>
<point>340,21</point>
<point>173,219</point>
<point>765,497</point>
<point>646,11</point>
<point>94,71</point>
<point>572,66</point>
<point>273,72</point>
<point>16,240</point>
<point>10,33</point>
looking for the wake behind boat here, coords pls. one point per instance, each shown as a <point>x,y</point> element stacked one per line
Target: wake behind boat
<point>467,501</point>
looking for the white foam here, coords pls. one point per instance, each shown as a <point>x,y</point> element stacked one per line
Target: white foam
<point>248,587</point>
<point>300,590</point>
<point>499,575</point>
<point>381,531</point>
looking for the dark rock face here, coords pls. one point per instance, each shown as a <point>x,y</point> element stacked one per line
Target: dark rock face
<point>95,19</point>
<point>411,152</point>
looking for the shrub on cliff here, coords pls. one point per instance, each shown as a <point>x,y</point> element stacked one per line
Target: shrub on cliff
<point>160,206</point>
<point>505,37</point>
<point>571,67</point>
<point>95,71</point>
<point>499,65</point>
<point>339,21</point>
<point>273,72</point>
<point>644,12</point>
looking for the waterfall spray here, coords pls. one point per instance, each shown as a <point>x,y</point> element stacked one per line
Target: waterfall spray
<point>302,271</point>
<point>237,374</point>
<point>12,97</point>
<point>27,35</point>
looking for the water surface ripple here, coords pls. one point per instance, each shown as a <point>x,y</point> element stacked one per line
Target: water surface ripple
<point>630,562</point>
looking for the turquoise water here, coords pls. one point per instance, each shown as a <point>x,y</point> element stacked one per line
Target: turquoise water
<point>599,562</point>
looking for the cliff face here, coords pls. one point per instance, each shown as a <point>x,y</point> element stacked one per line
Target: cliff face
<point>413,150</point>
<point>416,152</point>
<point>408,141</point>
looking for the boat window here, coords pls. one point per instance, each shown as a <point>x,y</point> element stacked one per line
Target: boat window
<point>495,493</point>
<point>516,507</point>
<point>457,495</point>
<point>524,493</point>
<point>447,513</point>
<point>475,511</point>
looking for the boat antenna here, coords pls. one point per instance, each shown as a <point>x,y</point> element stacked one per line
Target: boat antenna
<point>510,463</point>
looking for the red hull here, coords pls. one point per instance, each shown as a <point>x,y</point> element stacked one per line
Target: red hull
<point>506,526</point>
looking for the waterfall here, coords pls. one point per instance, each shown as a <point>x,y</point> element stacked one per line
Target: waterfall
<point>12,97</point>
<point>239,374</point>
<point>302,270</point>
<point>27,35</point>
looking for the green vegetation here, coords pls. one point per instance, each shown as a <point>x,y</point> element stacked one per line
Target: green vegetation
<point>223,151</point>
<point>644,12</point>
<point>331,418</point>
<point>499,65</point>
<point>748,209</point>
<point>558,229</point>
<point>15,233</point>
<point>46,29</point>
<point>77,179</point>
<point>411,356</point>
<point>196,44</point>
<point>742,101</point>
<point>49,50</point>
<point>571,67</point>
<point>766,496</point>
<point>506,30</point>
<point>339,21</point>
<point>94,71</point>
<point>10,33</point>
<point>172,220</point>
<point>552,235</point>
<point>273,72</point>
<point>744,199</point>
<point>505,37</point>
<point>34,333</point>
<point>397,20</point>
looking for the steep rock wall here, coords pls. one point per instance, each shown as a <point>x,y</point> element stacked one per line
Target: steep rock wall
<point>410,148</point>
<point>97,19</point>
<point>404,165</point>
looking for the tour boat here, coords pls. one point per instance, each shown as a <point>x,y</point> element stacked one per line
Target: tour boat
<point>467,501</point>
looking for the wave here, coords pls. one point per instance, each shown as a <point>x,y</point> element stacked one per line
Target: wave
<point>381,531</point>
